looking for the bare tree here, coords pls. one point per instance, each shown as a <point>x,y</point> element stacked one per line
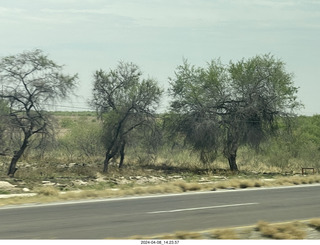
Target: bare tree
<point>125,103</point>
<point>3,127</point>
<point>30,81</point>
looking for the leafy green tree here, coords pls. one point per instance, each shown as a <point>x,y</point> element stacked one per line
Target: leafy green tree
<point>308,128</point>
<point>305,145</point>
<point>29,82</point>
<point>222,107</point>
<point>125,103</point>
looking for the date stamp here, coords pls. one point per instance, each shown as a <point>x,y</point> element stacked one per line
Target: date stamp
<point>160,242</point>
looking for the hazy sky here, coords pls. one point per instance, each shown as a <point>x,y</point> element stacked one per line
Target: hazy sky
<point>86,35</point>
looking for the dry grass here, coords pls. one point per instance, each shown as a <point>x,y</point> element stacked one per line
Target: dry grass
<point>224,234</point>
<point>107,189</point>
<point>183,235</point>
<point>294,230</point>
<point>262,230</point>
<point>297,180</point>
<point>280,181</point>
<point>47,191</point>
<point>153,179</point>
<point>315,223</point>
<point>184,186</point>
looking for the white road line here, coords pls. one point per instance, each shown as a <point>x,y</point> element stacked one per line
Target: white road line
<point>200,208</point>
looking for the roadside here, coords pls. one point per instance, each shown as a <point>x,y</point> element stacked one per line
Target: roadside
<point>293,230</point>
<point>142,185</point>
<point>102,186</point>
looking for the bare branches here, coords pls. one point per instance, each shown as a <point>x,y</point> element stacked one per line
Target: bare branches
<point>125,103</point>
<point>226,106</point>
<point>29,80</point>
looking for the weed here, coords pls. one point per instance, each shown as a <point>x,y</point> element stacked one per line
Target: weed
<point>258,183</point>
<point>222,184</point>
<point>282,231</point>
<point>187,235</point>
<point>224,234</point>
<point>184,186</point>
<point>290,230</point>
<point>315,223</point>
<point>4,192</point>
<point>246,183</point>
<point>47,191</point>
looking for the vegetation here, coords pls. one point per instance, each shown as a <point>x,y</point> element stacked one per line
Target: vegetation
<point>224,107</point>
<point>125,103</point>
<point>227,113</point>
<point>282,231</point>
<point>4,110</point>
<point>77,184</point>
<point>294,230</point>
<point>29,82</point>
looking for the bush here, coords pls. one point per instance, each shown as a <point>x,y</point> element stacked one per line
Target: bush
<point>224,234</point>
<point>184,186</point>
<point>47,191</point>
<point>187,235</point>
<point>315,223</point>
<point>83,140</point>
<point>282,231</point>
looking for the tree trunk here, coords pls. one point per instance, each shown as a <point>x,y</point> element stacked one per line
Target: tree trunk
<point>106,163</point>
<point>16,157</point>
<point>109,154</point>
<point>232,162</point>
<point>122,154</point>
<point>12,167</point>
<point>230,152</point>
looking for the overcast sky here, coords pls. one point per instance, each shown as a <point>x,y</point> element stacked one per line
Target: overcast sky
<point>86,35</point>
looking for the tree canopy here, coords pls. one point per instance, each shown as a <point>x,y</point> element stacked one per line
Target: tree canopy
<point>221,107</point>
<point>125,102</point>
<point>30,81</point>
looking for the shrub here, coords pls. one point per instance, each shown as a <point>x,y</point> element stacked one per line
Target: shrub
<point>224,234</point>
<point>188,186</point>
<point>315,223</point>
<point>187,235</point>
<point>83,140</point>
<point>282,231</point>
<point>47,191</point>
<point>246,183</point>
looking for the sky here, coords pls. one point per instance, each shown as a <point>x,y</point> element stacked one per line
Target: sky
<point>157,35</point>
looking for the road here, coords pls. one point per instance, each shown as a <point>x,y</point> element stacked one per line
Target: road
<point>123,217</point>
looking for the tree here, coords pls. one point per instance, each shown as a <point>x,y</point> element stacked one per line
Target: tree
<point>125,103</point>
<point>30,81</point>
<point>3,127</point>
<point>225,106</point>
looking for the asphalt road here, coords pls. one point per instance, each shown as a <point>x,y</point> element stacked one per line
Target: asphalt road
<point>123,217</point>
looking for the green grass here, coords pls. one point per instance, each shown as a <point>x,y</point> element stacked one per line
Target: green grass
<point>4,192</point>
